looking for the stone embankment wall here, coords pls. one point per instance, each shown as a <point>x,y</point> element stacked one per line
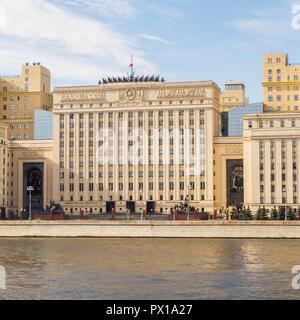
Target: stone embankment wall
<point>152,229</point>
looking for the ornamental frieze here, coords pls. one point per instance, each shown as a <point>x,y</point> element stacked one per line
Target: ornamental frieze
<point>131,95</point>
<point>83,96</point>
<point>181,93</point>
<point>32,154</point>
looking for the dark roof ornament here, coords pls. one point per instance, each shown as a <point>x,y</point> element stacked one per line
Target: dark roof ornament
<point>132,77</point>
<point>141,78</point>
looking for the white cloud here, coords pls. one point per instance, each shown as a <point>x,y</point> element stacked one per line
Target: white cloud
<point>155,38</point>
<point>170,11</point>
<point>63,38</point>
<point>263,27</point>
<point>122,8</point>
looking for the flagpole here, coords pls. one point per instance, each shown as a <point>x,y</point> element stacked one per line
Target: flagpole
<point>132,72</point>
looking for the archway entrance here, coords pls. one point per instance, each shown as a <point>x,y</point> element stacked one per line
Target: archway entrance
<point>33,176</point>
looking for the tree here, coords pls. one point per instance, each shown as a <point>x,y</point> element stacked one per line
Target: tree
<point>258,213</point>
<point>262,214</point>
<point>281,213</point>
<point>248,213</point>
<point>290,214</point>
<point>274,214</point>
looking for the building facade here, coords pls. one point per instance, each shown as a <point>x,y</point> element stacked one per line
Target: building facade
<point>234,96</point>
<point>20,96</point>
<point>150,145</point>
<point>271,159</point>
<point>281,84</point>
<point>137,145</point>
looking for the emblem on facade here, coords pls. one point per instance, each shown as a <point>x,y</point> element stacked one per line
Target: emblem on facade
<point>131,95</point>
<point>237,180</point>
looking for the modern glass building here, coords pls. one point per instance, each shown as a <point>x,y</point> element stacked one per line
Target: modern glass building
<point>43,122</point>
<point>235,118</point>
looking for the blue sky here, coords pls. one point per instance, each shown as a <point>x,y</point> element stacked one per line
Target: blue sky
<point>81,41</point>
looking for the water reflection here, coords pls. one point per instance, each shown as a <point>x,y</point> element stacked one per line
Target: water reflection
<point>149,268</point>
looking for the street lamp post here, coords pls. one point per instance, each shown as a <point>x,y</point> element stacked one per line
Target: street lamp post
<point>141,197</point>
<point>30,188</point>
<point>187,202</point>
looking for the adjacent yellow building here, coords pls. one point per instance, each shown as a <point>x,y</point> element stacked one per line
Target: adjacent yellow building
<point>20,96</point>
<point>234,96</point>
<point>281,84</point>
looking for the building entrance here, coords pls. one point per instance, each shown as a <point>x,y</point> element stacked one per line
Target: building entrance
<point>131,206</point>
<point>109,206</point>
<point>150,207</point>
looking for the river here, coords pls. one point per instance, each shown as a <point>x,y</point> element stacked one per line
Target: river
<point>149,268</point>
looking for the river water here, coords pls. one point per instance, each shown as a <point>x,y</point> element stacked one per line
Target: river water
<point>149,268</point>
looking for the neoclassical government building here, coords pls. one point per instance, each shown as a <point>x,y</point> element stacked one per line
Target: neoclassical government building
<point>140,143</point>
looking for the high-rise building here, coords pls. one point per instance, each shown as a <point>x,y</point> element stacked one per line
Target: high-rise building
<point>281,84</point>
<point>20,96</point>
<point>233,96</point>
<point>137,144</point>
<point>271,159</point>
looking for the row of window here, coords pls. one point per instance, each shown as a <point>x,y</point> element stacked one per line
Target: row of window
<point>18,126</point>
<point>13,89</point>
<point>270,89</point>
<point>283,188</point>
<point>130,123</point>
<point>278,98</point>
<point>18,136</point>
<point>130,114</point>
<point>12,107</point>
<point>12,98</point>
<point>26,116</point>
<point>295,77</point>
<point>139,162</point>
<point>272,143</point>
<point>161,198</point>
<point>130,186</point>
<point>191,131</point>
<point>283,200</point>
<point>279,108</point>
<point>272,154</point>
<point>272,166</point>
<point>278,60</point>
<point>283,177</point>
<point>271,123</point>
<point>130,174</point>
